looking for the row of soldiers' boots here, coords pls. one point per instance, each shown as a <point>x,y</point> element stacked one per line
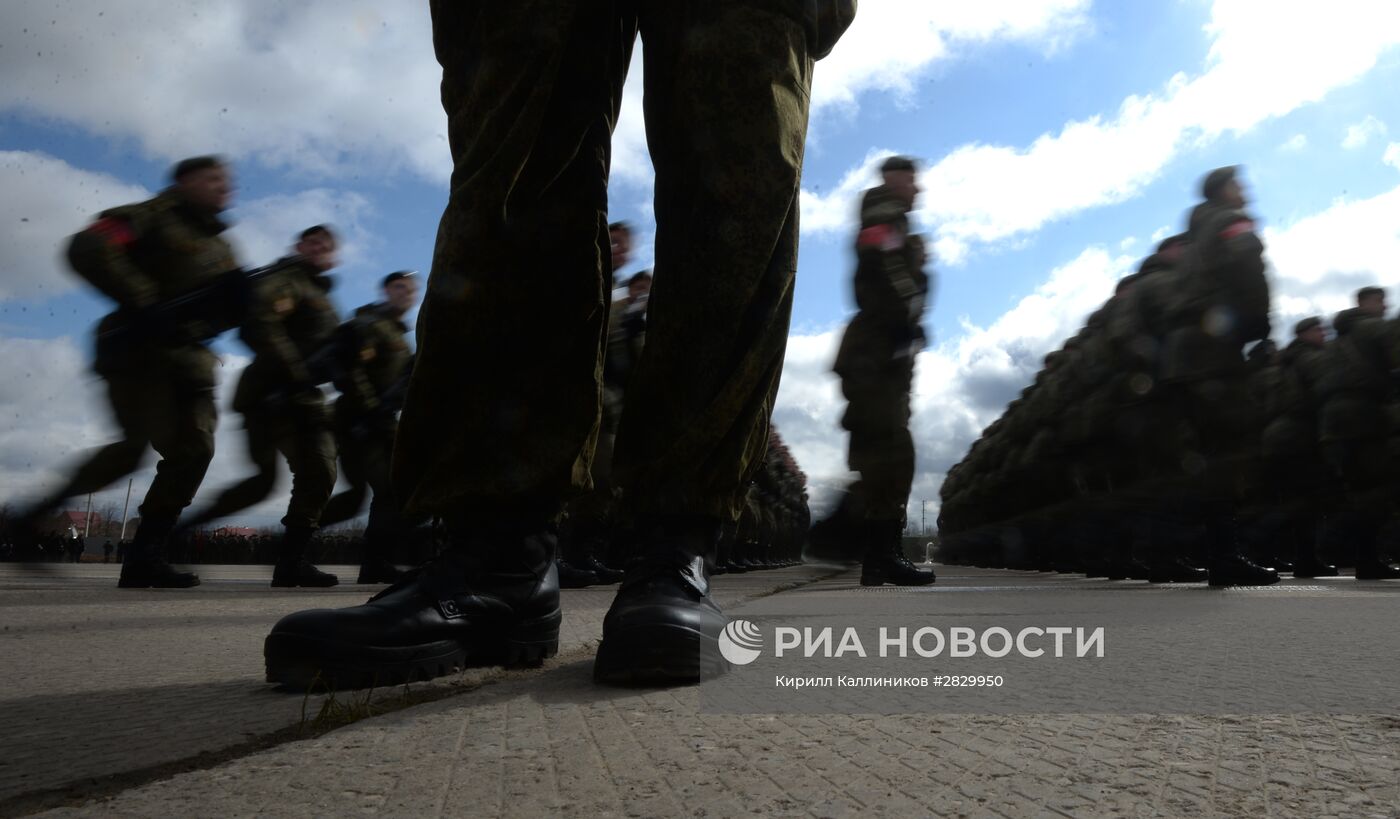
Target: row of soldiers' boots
<point>749,553</point>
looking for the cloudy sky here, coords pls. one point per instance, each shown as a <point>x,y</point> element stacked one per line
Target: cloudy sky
<point>1060,139</point>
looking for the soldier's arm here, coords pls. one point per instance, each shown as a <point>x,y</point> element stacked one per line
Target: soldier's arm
<point>264,331</point>
<point>102,254</point>
<point>885,287</point>
<point>361,347</point>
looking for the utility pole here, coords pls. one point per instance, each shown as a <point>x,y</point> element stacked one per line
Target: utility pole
<point>923,517</point>
<point>87,519</point>
<point>125,505</point>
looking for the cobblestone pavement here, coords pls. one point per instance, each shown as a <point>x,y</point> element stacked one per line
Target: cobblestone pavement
<point>550,742</point>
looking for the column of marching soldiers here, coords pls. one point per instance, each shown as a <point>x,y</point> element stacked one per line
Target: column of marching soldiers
<point>1151,446</point>
<point>174,278</point>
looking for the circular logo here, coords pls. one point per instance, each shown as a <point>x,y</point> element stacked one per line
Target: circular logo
<point>741,642</point>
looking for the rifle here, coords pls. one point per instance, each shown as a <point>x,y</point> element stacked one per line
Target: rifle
<point>193,316</point>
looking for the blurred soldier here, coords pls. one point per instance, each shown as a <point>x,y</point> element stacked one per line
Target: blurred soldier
<point>288,329</point>
<point>1222,304</point>
<point>1296,479</point>
<point>372,387</point>
<point>1354,426</point>
<point>876,366</point>
<point>502,415</point>
<point>160,379</point>
<point>589,529</point>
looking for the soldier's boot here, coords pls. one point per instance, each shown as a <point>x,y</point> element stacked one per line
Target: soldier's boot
<point>1308,564</point>
<point>587,539</point>
<point>884,558</point>
<point>572,576</point>
<point>144,566</point>
<point>293,569</point>
<point>376,567</point>
<point>491,598</point>
<point>663,627</point>
<point>1168,567</point>
<point>1369,563</point>
<point>1228,564</point>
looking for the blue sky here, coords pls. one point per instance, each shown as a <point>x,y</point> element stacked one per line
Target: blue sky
<point>1058,139</point>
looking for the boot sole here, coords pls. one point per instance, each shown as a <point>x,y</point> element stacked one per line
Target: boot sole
<point>303,662</point>
<point>658,655</point>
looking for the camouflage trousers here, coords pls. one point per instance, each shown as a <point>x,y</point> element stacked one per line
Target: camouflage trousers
<point>502,414</point>
<point>365,457</point>
<point>881,448</point>
<point>160,409</point>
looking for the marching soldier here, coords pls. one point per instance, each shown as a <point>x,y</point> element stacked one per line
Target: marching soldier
<point>160,375</point>
<point>876,366</point>
<point>284,411</point>
<point>375,377</point>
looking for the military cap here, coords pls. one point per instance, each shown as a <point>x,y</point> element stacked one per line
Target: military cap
<point>195,163</point>
<point>396,275</point>
<point>1306,325</point>
<point>1217,179</point>
<point>897,163</point>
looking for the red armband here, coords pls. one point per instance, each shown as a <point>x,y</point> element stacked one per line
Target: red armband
<point>113,231</point>
<point>1237,228</point>
<point>882,237</point>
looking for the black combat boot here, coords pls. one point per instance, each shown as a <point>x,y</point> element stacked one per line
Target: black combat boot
<point>491,598</point>
<point>1228,564</point>
<point>1377,571</point>
<point>144,566</point>
<point>575,577</point>
<point>884,558</point>
<point>293,569</point>
<point>1173,568</point>
<point>586,539</point>
<point>663,628</point>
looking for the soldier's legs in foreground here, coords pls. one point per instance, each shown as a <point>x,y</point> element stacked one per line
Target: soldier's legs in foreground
<point>182,421</point>
<point>503,407</point>
<point>726,101</point>
<point>307,445</point>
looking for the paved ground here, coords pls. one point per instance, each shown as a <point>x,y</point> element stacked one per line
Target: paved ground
<point>111,695</point>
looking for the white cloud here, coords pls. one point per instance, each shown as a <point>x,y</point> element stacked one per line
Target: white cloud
<point>892,43</point>
<point>1391,156</point>
<point>1360,133</point>
<point>1297,142</point>
<point>322,87</point>
<point>979,193</point>
<point>330,87</point>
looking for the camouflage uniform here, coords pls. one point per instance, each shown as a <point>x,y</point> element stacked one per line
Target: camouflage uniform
<point>280,399</point>
<point>161,385</point>
<point>378,359</point>
<point>532,91</point>
<point>1296,482</point>
<point>1354,425</point>
<point>876,357</point>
